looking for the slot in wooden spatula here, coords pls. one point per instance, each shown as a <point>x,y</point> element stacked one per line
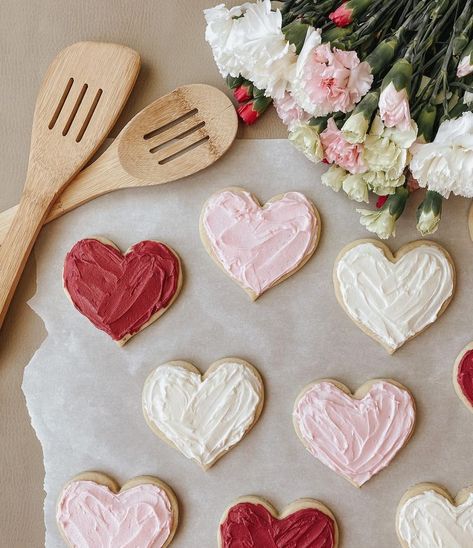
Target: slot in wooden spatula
<point>82,95</point>
<point>179,134</point>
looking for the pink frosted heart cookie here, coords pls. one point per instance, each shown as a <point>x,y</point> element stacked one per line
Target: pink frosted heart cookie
<point>355,435</point>
<point>259,246</point>
<point>93,512</point>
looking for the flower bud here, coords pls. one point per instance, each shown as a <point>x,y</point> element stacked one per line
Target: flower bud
<point>251,111</point>
<point>426,123</point>
<point>357,125</point>
<point>382,55</point>
<point>383,221</point>
<point>429,213</point>
<point>465,66</point>
<point>243,93</point>
<point>348,11</point>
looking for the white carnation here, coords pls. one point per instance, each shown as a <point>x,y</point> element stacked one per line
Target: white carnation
<point>446,164</point>
<point>221,34</point>
<point>264,55</point>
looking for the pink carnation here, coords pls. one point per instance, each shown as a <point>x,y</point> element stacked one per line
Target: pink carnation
<point>330,80</point>
<point>339,151</point>
<point>290,112</point>
<point>394,108</point>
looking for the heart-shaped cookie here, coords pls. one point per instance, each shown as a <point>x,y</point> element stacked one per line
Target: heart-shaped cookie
<point>390,297</point>
<point>355,435</point>
<point>121,294</point>
<point>252,521</point>
<point>203,416</point>
<point>463,376</point>
<point>259,247</point>
<point>93,512</point>
<point>428,516</point>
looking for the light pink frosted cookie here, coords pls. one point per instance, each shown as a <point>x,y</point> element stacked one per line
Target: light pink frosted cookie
<point>355,435</point>
<point>94,512</point>
<point>259,247</point>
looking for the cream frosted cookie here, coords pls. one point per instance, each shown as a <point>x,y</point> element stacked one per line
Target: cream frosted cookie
<point>259,247</point>
<point>392,298</point>
<point>355,435</point>
<point>428,516</point>
<point>463,376</point>
<point>121,294</point>
<point>94,512</point>
<point>252,521</point>
<point>203,416</point>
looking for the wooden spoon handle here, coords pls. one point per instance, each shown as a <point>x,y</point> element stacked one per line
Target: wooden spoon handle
<point>18,244</point>
<point>104,175</point>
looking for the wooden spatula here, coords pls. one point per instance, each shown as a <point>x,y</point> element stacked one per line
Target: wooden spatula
<point>177,135</point>
<point>84,91</point>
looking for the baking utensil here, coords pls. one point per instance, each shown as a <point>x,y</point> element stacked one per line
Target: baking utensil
<point>84,91</point>
<point>175,136</point>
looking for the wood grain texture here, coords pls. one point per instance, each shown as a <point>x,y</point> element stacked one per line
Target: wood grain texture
<point>169,37</point>
<point>84,91</point>
<point>139,157</point>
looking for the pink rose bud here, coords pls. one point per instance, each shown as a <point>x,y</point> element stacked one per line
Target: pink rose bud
<point>342,16</point>
<point>243,93</point>
<point>248,113</point>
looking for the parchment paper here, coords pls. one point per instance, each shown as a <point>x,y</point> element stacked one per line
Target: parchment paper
<point>84,393</point>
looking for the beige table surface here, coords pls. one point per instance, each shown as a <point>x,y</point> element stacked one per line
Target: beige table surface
<point>169,36</point>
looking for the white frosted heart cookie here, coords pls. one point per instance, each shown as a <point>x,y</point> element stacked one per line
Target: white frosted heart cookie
<point>259,246</point>
<point>203,416</point>
<point>428,516</point>
<point>355,435</point>
<point>94,512</point>
<point>392,298</point>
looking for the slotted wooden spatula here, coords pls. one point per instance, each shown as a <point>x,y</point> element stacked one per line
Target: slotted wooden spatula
<point>175,136</point>
<point>84,91</point>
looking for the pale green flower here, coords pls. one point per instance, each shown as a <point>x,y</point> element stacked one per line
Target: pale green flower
<point>356,188</point>
<point>383,221</point>
<point>334,177</point>
<point>355,128</point>
<point>379,183</point>
<point>386,150</point>
<point>306,139</point>
<point>380,222</point>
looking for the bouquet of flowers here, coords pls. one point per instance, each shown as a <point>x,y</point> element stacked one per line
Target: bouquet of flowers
<point>379,89</point>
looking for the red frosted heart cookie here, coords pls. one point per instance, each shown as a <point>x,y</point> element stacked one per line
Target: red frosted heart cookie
<point>121,294</point>
<point>252,521</point>
<point>463,376</point>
